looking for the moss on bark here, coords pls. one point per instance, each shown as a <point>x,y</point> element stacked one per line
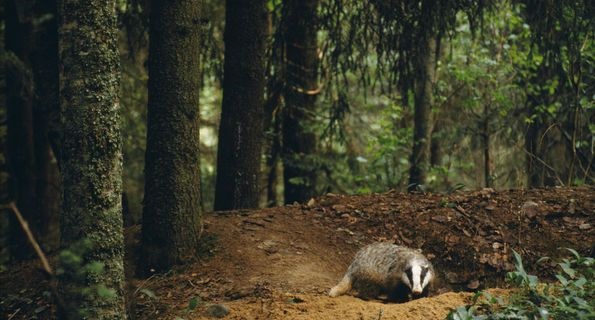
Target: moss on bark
<point>91,156</point>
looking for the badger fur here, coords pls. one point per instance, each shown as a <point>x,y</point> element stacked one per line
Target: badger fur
<point>399,272</point>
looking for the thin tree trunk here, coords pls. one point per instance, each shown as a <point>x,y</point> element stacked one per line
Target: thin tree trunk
<point>92,152</point>
<point>172,215</point>
<point>436,150</point>
<point>272,125</point>
<point>273,176</point>
<point>487,161</point>
<point>301,77</point>
<point>426,64</point>
<point>533,146</point>
<point>242,112</point>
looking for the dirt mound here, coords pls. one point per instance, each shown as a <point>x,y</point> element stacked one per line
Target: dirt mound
<point>279,263</point>
<point>344,307</point>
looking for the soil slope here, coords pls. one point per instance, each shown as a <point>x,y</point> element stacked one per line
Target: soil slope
<point>279,263</point>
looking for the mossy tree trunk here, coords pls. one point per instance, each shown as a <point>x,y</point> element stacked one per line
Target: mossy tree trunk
<point>172,217</point>
<point>91,155</point>
<point>423,87</point>
<point>242,112</point>
<point>301,83</point>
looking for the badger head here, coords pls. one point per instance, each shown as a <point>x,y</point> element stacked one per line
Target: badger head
<point>417,276</point>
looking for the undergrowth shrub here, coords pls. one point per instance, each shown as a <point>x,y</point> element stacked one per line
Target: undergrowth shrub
<point>572,296</point>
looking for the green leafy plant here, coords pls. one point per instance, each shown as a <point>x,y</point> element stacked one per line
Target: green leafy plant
<point>80,273</point>
<point>572,296</point>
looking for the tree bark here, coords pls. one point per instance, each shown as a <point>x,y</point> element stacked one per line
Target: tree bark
<point>20,130</point>
<point>44,62</point>
<point>172,215</point>
<point>242,113</point>
<point>436,150</point>
<point>425,65</point>
<point>301,83</point>
<point>486,141</point>
<point>92,152</point>
<point>537,142</point>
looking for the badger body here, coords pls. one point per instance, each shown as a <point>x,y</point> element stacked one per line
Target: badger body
<point>385,268</point>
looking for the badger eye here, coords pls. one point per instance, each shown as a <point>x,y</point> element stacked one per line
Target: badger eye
<point>409,273</point>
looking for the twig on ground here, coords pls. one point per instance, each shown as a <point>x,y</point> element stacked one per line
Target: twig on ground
<point>25,226</point>
<point>44,261</point>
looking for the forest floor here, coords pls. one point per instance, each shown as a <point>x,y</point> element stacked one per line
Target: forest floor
<point>279,263</point>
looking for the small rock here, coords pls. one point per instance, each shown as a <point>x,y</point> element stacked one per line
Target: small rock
<point>441,219</point>
<point>529,204</point>
<point>295,300</point>
<point>339,208</point>
<point>217,311</point>
<point>235,294</point>
<point>487,191</point>
<point>349,232</point>
<point>269,246</point>
<point>572,206</point>
<point>529,208</point>
<point>454,278</point>
<point>473,285</point>
<point>585,226</point>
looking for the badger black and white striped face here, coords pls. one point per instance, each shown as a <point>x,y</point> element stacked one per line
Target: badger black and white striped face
<point>417,277</point>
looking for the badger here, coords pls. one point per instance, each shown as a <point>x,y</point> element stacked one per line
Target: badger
<point>398,272</point>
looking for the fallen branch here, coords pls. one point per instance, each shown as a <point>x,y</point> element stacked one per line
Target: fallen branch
<point>44,261</point>
<point>25,226</point>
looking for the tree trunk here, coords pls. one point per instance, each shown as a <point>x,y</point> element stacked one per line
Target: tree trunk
<point>92,153</point>
<point>425,66</point>
<point>537,171</point>
<point>537,144</point>
<point>273,167</point>
<point>44,62</point>
<point>301,81</point>
<point>486,140</point>
<point>172,215</point>
<point>20,131</point>
<point>242,112</point>
<point>32,86</point>
<point>436,150</point>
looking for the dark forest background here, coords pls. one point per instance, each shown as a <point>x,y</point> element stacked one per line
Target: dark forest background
<point>226,105</point>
